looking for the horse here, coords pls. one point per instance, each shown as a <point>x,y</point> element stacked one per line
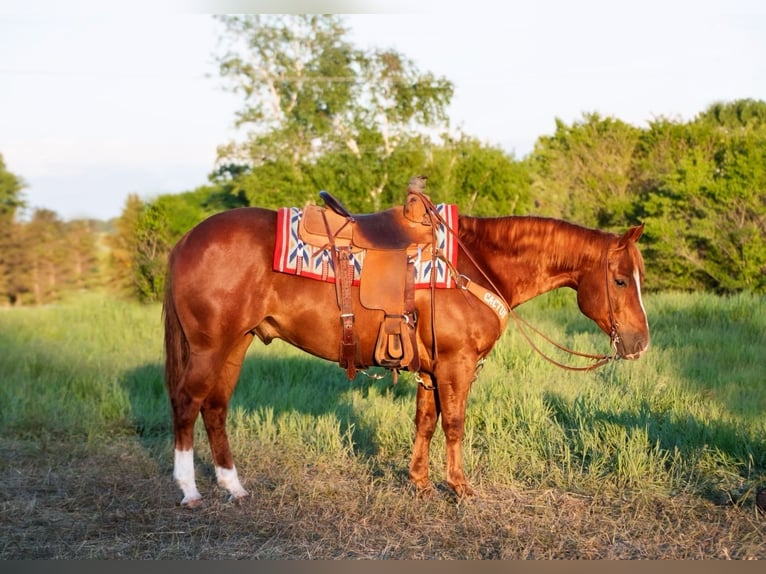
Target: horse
<point>221,293</point>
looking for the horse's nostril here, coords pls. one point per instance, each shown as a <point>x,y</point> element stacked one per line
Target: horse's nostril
<point>634,350</point>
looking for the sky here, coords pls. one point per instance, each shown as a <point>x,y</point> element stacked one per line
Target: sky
<point>98,103</point>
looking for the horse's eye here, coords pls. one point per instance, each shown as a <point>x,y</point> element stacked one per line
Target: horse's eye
<point>620,282</point>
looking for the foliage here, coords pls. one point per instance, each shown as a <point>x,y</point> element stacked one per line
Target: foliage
<point>48,258</point>
<point>11,200</point>
<point>701,193</point>
<point>44,258</point>
<point>698,186</point>
<point>145,232</point>
<point>582,173</point>
<point>482,180</point>
<point>315,105</point>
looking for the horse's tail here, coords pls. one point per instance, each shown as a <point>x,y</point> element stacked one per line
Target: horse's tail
<point>176,343</point>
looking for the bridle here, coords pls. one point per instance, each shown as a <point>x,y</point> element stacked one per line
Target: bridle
<point>600,359</point>
<point>522,324</point>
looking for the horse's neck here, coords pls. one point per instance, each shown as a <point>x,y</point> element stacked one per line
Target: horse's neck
<point>528,256</point>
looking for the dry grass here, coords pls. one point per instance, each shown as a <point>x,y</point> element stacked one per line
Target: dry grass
<point>117,501</point>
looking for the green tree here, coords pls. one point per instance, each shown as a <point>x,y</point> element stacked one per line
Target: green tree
<point>482,180</point>
<point>583,172</point>
<point>83,254</point>
<point>701,195</point>
<point>150,252</point>
<point>745,113</point>
<point>11,186</point>
<point>11,201</point>
<point>46,273</point>
<point>310,95</point>
<point>122,243</point>
<point>139,249</point>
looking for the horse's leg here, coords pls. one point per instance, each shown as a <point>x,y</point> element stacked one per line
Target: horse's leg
<point>214,410</point>
<point>186,400</point>
<point>426,415</point>
<point>453,387</point>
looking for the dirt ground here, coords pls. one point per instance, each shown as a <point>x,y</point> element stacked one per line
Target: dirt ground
<point>65,501</point>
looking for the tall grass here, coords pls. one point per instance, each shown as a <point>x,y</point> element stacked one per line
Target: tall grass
<point>66,369</point>
<point>686,417</point>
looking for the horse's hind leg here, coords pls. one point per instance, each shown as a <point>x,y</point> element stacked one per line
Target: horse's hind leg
<point>214,410</point>
<point>186,400</point>
<point>206,385</point>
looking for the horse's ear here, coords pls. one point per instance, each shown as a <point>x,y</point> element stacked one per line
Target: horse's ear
<point>632,234</point>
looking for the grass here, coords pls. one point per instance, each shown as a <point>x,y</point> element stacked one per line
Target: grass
<point>655,458</point>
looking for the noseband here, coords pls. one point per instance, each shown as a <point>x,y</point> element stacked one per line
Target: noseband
<point>521,323</point>
<point>614,334</point>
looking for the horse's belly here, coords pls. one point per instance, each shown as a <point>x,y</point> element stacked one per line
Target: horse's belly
<point>318,330</point>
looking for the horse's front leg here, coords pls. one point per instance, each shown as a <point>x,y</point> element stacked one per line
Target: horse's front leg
<point>453,397</point>
<point>426,415</point>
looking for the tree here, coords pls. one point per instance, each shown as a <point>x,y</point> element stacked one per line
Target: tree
<point>700,187</point>
<point>82,245</point>
<point>122,244</point>
<point>739,114</point>
<point>11,201</point>
<point>482,180</point>
<point>140,247</point>
<point>310,95</point>
<point>11,185</point>
<point>45,271</point>
<point>582,172</point>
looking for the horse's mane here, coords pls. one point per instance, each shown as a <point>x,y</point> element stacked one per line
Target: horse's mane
<point>565,244</point>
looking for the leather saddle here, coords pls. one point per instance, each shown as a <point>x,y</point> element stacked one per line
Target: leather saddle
<point>391,240</point>
<point>394,229</point>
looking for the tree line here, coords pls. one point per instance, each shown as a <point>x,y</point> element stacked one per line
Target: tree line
<point>318,113</point>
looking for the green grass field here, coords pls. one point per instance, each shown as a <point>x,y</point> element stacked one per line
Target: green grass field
<point>683,425</point>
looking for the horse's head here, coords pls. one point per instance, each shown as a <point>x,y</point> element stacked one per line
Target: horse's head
<point>610,294</point>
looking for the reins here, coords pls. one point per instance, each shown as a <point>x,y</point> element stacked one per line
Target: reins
<point>601,359</point>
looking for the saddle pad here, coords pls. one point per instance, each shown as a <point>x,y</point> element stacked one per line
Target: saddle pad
<point>294,257</point>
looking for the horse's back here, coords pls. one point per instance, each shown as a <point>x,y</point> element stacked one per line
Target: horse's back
<point>249,225</point>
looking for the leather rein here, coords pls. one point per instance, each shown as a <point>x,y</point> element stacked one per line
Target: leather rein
<point>465,283</point>
<point>601,359</point>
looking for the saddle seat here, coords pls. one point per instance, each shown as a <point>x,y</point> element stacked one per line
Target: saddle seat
<point>393,229</point>
<point>391,240</point>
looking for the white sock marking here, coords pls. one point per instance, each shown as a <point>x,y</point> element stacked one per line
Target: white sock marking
<point>228,479</point>
<point>183,472</point>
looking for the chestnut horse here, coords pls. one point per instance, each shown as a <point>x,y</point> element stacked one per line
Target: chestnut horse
<point>222,292</point>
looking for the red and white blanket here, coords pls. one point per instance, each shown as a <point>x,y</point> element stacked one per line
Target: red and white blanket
<point>293,256</point>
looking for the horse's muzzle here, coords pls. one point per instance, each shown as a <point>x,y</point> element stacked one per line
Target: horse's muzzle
<point>631,348</point>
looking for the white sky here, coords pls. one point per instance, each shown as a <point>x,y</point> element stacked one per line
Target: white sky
<point>97,104</point>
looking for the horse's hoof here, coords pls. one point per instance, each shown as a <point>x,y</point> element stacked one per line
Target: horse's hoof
<point>192,502</point>
<point>423,488</point>
<point>424,492</point>
<point>463,490</point>
<point>239,497</point>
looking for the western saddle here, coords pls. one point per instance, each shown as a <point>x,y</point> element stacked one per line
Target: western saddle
<point>391,240</point>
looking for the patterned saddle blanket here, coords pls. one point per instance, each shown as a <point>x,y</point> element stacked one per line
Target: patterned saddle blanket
<point>295,257</point>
